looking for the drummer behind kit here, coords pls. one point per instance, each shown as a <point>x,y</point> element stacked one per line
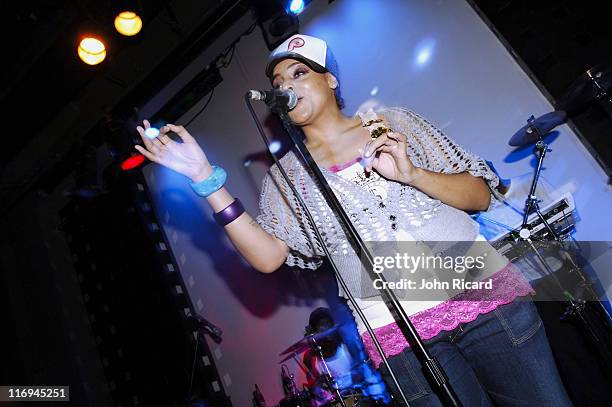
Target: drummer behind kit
<point>335,376</point>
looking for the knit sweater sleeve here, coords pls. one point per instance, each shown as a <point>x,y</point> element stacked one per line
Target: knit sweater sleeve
<point>433,150</point>
<point>281,216</point>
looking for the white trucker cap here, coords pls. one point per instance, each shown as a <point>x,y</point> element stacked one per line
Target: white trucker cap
<point>310,50</point>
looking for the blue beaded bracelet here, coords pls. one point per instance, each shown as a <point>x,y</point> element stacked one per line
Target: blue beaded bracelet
<point>213,183</point>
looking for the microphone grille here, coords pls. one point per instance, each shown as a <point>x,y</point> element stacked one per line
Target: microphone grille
<point>293,99</point>
<point>256,95</point>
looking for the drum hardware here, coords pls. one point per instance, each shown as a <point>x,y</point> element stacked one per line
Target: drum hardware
<point>535,129</point>
<point>541,229</point>
<point>288,382</point>
<point>292,398</point>
<point>560,217</point>
<point>306,342</point>
<point>328,378</point>
<point>310,341</point>
<point>347,397</point>
<point>594,84</point>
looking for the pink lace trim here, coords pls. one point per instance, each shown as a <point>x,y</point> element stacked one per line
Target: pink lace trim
<point>340,167</point>
<point>508,283</point>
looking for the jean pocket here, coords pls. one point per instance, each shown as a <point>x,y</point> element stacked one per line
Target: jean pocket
<point>520,320</point>
<point>410,379</point>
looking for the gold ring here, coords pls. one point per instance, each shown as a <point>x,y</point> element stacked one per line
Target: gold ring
<point>379,132</point>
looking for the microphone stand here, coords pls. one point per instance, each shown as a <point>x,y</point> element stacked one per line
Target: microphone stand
<point>430,365</point>
<point>191,375</point>
<point>199,323</point>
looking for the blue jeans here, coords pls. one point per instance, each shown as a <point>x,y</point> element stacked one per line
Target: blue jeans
<point>502,357</point>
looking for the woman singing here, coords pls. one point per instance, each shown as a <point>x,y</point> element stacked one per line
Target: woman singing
<point>398,178</point>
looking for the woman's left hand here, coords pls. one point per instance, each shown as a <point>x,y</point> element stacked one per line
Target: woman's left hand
<point>387,154</point>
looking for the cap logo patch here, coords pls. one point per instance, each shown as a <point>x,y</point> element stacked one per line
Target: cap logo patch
<point>297,42</point>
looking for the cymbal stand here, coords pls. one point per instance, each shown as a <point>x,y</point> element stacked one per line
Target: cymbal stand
<point>576,307</point>
<point>602,95</point>
<point>329,378</point>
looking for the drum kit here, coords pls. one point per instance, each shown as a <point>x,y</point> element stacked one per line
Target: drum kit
<point>325,390</point>
<point>539,225</point>
<point>550,229</point>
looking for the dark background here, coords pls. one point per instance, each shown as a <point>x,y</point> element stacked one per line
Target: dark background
<point>558,41</point>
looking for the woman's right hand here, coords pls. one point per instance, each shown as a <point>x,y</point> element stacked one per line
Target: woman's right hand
<point>186,158</point>
<point>262,250</point>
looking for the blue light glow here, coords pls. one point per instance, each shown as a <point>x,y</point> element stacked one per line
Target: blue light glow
<point>424,51</point>
<point>275,146</point>
<point>296,6</point>
<point>151,132</point>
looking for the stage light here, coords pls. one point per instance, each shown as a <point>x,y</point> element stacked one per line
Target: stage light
<point>132,162</point>
<point>91,51</point>
<point>423,56</point>
<point>151,132</point>
<point>128,23</point>
<point>275,146</point>
<point>296,6</point>
<point>424,51</point>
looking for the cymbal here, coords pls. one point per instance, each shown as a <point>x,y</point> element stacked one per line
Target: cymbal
<point>544,124</point>
<point>584,90</point>
<point>304,343</point>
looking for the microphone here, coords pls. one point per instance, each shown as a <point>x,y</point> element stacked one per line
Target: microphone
<point>277,99</point>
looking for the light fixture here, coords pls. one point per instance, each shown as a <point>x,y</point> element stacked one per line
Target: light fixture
<point>275,146</point>
<point>91,51</point>
<point>424,52</point>
<point>296,6</point>
<point>132,162</point>
<point>128,23</point>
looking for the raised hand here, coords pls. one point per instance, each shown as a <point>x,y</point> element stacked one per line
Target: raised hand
<point>387,154</point>
<point>186,158</point>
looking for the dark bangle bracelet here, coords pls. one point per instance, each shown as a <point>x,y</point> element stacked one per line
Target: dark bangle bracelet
<point>229,213</point>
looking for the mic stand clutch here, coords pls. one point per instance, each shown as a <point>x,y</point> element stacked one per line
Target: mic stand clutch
<point>430,365</point>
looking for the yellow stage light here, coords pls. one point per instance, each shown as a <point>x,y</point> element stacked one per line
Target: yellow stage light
<point>91,51</point>
<point>128,23</point>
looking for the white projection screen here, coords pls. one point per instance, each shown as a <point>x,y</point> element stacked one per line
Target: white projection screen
<point>438,58</point>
